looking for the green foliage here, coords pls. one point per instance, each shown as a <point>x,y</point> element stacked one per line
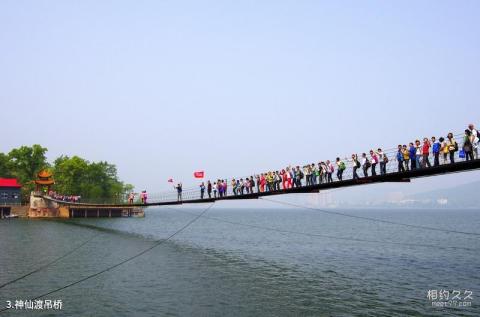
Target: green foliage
<point>73,175</point>
<point>5,168</point>
<point>24,163</point>
<point>92,181</point>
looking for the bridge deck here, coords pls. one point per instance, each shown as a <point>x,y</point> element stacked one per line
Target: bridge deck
<point>389,177</point>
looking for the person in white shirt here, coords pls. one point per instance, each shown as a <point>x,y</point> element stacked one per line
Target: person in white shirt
<point>365,164</point>
<point>383,161</point>
<point>474,139</point>
<point>355,165</point>
<point>418,153</point>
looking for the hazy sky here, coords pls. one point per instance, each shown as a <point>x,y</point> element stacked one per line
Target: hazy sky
<point>164,88</point>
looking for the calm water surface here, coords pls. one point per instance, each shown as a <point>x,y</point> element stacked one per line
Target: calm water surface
<point>216,268</point>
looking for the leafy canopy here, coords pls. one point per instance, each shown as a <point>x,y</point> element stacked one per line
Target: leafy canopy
<point>73,175</point>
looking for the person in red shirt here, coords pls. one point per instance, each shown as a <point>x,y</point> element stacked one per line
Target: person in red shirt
<point>425,152</point>
<point>263,181</point>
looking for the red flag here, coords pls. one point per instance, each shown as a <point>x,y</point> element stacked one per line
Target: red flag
<point>199,174</point>
<point>170,180</point>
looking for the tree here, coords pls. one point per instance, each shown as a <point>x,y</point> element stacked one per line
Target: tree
<point>5,166</point>
<point>97,181</point>
<point>27,161</point>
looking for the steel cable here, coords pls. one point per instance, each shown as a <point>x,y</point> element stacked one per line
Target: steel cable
<point>156,244</point>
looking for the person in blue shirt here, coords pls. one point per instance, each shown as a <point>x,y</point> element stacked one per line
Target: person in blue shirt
<point>413,156</point>
<point>436,151</point>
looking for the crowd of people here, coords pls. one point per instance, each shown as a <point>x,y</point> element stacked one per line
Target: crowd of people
<point>67,198</point>
<point>415,155</point>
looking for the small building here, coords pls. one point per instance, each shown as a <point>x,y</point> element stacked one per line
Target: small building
<point>10,191</point>
<point>44,182</point>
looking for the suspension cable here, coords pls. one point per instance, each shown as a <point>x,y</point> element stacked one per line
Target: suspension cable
<point>317,235</point>
<point>369,218</point>
<point>156,244</point>
<point>51,262</point>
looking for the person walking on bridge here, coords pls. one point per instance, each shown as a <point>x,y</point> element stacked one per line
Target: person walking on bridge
<point>475,139</point>
<point>209,189</point>
<point>270,179</point>
<point>436,151</point>
<point>340,168</point>
<point>406,157</point>
<point>467,145</point>
<point>330,171</point>
<point>383,159</point>
<point>314,174</point>
<point>418,153</point>
<point>293,178</point>
<point>308,175</point>
<point>444,149</point>
<point>234,186</point>
<point>278,180</point>
<point>220,188</point>
<point>452,147</point>
<point>298,177</point>
<point>323,172</point>
<point>202,190</point>
<point>425,153</point>
<point>143,196</point>
<point>263,182</point>
<point>241,186</point>
<point>374,158</point>
<point>400,159</point>
<point>131,197</point>
<point>413,156</point>
<point>355,165</point>
<point>257,180</point>
<point>365,164</point>
<point>179,191</point>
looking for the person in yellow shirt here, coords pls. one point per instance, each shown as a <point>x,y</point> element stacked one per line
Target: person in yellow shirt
<point>406,157</point>
<point>444,149</point>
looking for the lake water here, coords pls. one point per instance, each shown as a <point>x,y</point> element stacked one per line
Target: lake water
<point>227,265</point>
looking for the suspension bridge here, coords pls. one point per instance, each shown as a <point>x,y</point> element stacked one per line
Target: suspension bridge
<point>192,196</point>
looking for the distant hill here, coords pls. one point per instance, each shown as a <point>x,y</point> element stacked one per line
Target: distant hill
<point>461,196</point>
